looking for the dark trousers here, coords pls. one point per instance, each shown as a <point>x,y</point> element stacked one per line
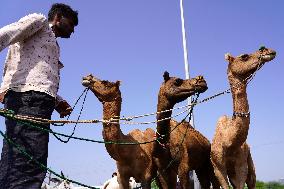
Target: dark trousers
<point>16,170</point>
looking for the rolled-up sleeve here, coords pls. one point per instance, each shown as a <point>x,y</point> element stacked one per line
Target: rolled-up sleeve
<point>23,29</point>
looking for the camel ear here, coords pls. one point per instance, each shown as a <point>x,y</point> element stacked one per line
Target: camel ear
<point>117,83</point>
<point>229,57</point>
<point>166,76</point>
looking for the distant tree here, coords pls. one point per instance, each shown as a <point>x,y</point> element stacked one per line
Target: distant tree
<point>274,185</point>
<point>259,184</point>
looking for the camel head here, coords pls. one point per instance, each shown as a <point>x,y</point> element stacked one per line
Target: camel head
<point>176,89</point>
<point>104,90</point>
<point>244,65</point>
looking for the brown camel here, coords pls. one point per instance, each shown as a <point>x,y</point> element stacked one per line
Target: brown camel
<point>194,153</point>
<point>230,154</point>
<point>131,160</point>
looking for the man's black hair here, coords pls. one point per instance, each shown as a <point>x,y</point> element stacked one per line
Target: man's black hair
<point>61,9</point>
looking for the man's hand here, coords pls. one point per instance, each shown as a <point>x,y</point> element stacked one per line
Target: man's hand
<point>63,108</point>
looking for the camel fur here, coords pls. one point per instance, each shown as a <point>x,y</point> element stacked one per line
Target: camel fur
<point>131,160</point>
<point>230,154</point>
<point>194,151</point>
<point>192,154</point>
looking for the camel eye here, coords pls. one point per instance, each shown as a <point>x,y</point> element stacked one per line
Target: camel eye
<point>178,82</point>
<point>244,57</point>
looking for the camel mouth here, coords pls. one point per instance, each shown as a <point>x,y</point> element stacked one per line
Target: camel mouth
<point>201,86</point>
<point>266,54</point>
<point>268,57</point>
<point>86,83</point>
<point>87,80</point>
<point>187,93</point>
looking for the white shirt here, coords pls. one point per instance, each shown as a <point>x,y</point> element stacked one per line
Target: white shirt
<point>32,62</point>
<point>113,183</point>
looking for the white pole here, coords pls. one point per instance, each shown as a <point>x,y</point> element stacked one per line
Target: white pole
<point>186,66</point>
<point>185,55</point>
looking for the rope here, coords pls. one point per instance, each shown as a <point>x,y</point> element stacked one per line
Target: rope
<point>84,91</point>
<point>23,151</point>
<point>175,156</point>
<point>113,120</point>
<point>41,120</point>
<point>73,132</point>
<point>30,124</point>
<point>11,115</point>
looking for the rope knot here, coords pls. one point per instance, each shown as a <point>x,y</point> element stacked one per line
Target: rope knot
<point>9,112</point>
<point>158,137</point>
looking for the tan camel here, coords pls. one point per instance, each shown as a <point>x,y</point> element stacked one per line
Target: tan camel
<point>230,154</point>
<point>194,153</point>
<point>131,160</point>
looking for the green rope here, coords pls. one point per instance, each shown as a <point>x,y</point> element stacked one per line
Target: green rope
<point>10,115</point>
<point>182,140</point>
<point>23,151</point>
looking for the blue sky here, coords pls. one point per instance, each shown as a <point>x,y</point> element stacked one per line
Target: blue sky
<point>135,41</point>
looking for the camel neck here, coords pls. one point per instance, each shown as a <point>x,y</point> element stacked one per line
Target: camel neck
<point>241,118</point>
<point>111,110</point>
<point>163,127</point>
<point>239,95</point>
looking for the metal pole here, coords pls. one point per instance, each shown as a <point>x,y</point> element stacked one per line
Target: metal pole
<point>185,54</point>
<point>186,66</point>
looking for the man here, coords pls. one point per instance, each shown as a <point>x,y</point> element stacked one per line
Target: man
<point>29,87</point>
<point>113,182</point>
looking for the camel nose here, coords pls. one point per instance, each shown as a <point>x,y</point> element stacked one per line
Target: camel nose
<point>273,53</point>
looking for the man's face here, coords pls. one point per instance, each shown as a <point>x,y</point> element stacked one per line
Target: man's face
<point>64,27</point>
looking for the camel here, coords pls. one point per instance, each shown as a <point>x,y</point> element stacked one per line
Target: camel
<point>131,160</point>
<point>194,152</point>
<point>138,164</point>
<point>230,154</point>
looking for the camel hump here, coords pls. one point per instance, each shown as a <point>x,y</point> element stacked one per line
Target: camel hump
<point>134,132</point>
<point>149,131</point>
<point>223,120</point>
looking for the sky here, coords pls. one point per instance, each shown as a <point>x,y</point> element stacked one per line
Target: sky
<point>135,41</point>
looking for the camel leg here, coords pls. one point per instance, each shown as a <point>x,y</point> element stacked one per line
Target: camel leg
<point>123,183</point>
<point>146,185</point>
<point>167,175</point>
<point>203,177</point>
<point>122,178</point>
<point>184,180</point>
<point>168,179</point>
<point>219,165</point>
<point>213,179</point>
<point>183,174</point>
<point>251,177</point>
<point>241,171</point>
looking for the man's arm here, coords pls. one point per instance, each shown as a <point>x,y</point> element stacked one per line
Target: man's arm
<point>62,107</point>
<point>24,28</point>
